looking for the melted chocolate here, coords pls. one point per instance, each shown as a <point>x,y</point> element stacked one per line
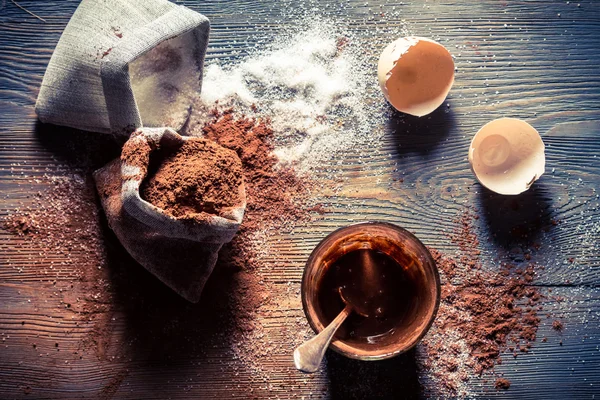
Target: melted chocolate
<point>376,285</point>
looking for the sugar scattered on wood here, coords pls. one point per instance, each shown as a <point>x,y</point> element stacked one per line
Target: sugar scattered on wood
<point>316,86</point>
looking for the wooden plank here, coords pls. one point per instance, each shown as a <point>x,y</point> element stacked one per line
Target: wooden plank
<point>518,59</point>
<point>152,360</point>
<point>437,198</point>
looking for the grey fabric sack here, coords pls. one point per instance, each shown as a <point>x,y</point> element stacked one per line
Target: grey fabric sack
<point>181,253</point>
<point>123,64</point>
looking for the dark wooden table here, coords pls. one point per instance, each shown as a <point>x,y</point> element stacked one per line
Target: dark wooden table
<point>537,60</point>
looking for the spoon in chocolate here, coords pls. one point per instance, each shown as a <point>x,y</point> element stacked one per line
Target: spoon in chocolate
<point>308,356</point>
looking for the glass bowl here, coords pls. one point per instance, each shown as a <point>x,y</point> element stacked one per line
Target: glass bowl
<point>418,266</point>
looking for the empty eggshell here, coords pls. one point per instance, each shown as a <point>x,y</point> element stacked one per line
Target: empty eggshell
<point>507,155</point>
<point>415,74</point>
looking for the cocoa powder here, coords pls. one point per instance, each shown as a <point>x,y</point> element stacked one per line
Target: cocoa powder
<point>557,325</point>
<point>64,220</point>
<point>485,310</point>
<point>274,200</point>
<point>136,153</point>
<point>272,193</point>
<point>502,383</point>
<point>275,196</point>
<point>198,177</point>
<point>500,308</point>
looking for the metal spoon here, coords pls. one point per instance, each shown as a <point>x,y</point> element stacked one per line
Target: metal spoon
<point>308,356</point>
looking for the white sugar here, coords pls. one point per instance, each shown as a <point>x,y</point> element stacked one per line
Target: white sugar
<point>315,86</point>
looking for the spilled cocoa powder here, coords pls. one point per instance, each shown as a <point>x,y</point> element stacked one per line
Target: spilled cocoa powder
<point>502,383</point>
<point>557,325</point>
<point>275,196</point>
<point>277,202</point>
<point>485,312</point>
<point>198,177</point>
<point>64,221</point>
<point>273,192</point>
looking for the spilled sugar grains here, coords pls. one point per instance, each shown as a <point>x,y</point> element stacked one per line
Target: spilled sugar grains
<point>199,177</point>
<point>313,82</point>
<point>483,314</point>
<point>64,221</point>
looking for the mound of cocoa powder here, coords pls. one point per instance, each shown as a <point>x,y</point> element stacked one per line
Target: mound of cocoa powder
<point>276,196</point>
<point>200,176</point>
<point>273,193</point>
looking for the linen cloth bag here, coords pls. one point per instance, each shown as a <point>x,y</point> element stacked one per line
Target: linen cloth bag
<point>89,84</point>
<point>181,253</point>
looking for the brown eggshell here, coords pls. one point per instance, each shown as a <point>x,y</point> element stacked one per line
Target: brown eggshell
<point>415,74</point>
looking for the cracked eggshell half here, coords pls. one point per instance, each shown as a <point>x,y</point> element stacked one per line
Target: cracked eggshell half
<point>415,74</point>
<point>507,156</point>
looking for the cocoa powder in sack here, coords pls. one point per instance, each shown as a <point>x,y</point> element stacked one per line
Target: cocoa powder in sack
<point>173,202</point>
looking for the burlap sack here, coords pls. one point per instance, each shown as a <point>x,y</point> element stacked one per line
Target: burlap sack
<point>103,76</point>
<point>181,253</point>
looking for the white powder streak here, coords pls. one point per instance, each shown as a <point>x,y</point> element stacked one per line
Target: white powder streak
<point>313,89</point>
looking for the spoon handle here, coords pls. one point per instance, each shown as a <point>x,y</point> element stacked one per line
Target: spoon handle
<point>308,356</point>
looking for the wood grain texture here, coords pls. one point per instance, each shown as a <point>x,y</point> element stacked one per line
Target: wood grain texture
<point>536,60</point>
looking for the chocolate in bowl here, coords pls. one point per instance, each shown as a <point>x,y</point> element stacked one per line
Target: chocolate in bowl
<point>418,287</point>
